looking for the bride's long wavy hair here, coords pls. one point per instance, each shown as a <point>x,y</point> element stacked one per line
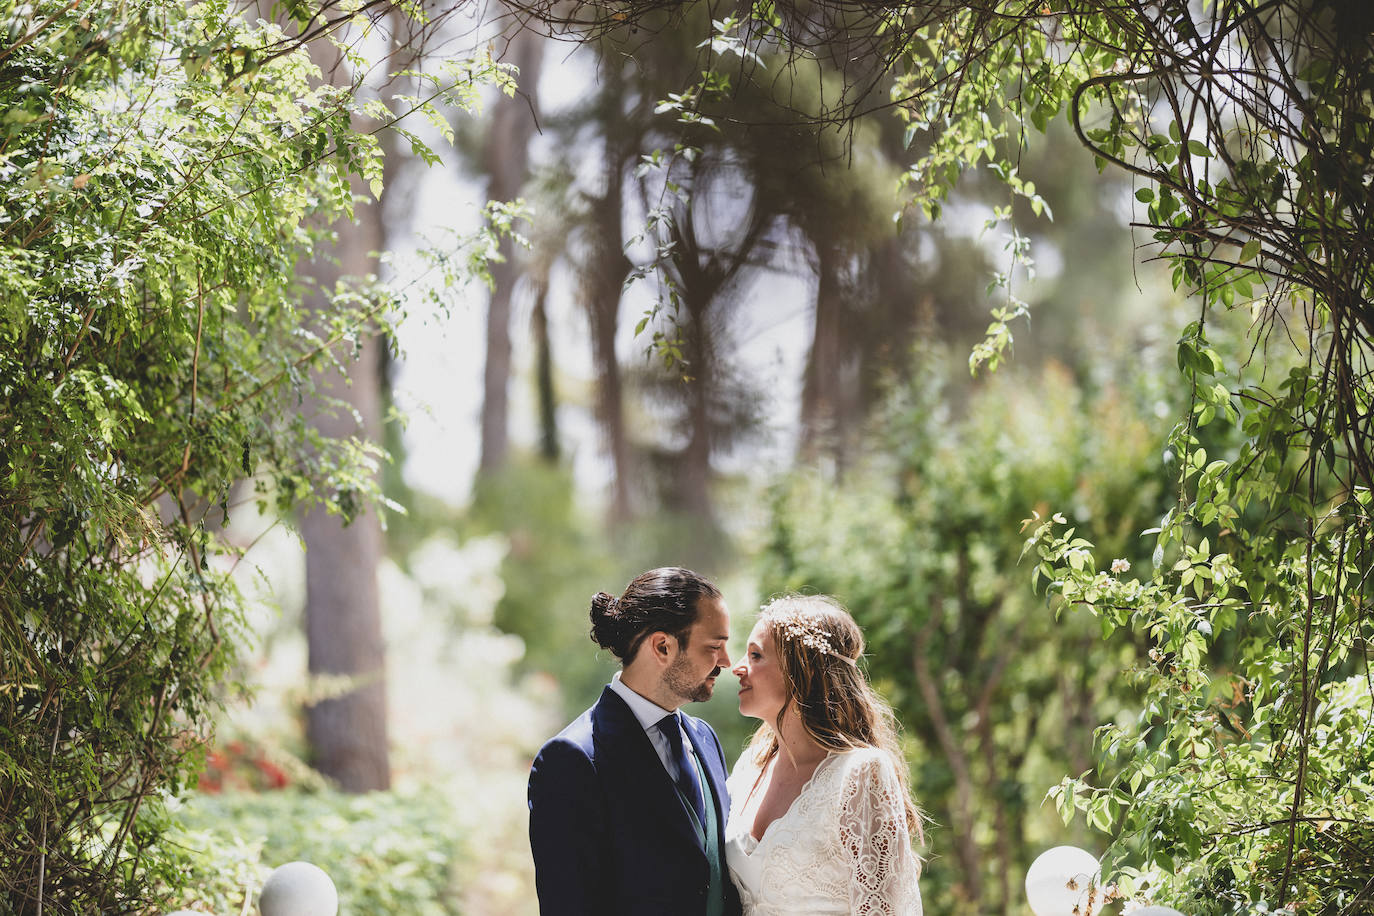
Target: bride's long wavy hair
<point>818,646</point>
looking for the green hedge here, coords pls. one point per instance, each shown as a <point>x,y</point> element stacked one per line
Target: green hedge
<point>387,852</point>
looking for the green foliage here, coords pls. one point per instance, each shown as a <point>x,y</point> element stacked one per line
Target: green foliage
<point>163,169</point>
<point>1256,676</point>
<point>386,852</point>
<point>956,118</point>
<point>996,696</point>
<point>1241,782</point>
<point>1250,127</point>
<point>557,559</point>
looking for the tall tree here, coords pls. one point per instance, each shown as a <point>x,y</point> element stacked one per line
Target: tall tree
<point>347,732</point>
<point>714,246</point>
<point>505,160</point>
<point>549,236</point>
<point>598,247</point>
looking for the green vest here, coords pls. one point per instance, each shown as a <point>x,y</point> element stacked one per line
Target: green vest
<point>709,835</point>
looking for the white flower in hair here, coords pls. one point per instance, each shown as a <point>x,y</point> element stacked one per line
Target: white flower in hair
<point>793,626</point>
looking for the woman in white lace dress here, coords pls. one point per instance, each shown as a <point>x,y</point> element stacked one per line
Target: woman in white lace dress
<point>821,819</point>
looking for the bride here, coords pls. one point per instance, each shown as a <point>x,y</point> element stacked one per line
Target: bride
<point>821,819</point>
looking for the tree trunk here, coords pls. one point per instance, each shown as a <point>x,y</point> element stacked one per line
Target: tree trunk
<point>694,484</point>
<point>603,279</point>
<point>543,371</point>
<point>830,401</point>
<point>506,159</point>
<point>343,626</point>
<point>1004,840</point>
<point>962,818</point>
<point>347,733</point>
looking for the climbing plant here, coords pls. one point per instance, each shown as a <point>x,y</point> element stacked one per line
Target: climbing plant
<point>163,169</point>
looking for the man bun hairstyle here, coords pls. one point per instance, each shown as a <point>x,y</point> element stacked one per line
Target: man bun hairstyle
<point>666,599</point>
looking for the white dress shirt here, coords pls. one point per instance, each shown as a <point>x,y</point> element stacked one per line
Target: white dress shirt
<point>649,714</point>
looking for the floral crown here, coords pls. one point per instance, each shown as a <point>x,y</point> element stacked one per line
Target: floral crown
<point>793,626</point>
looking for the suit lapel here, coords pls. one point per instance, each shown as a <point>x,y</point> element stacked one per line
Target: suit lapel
<point>635,767</point>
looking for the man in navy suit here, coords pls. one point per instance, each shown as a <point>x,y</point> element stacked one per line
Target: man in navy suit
<point>628,803</point>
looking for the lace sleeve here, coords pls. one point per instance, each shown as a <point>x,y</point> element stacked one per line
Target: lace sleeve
<point>873,831</point>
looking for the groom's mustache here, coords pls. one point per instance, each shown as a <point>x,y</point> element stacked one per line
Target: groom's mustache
<point>716,672</point>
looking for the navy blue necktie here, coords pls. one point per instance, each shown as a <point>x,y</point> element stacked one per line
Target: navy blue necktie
<point>687,782</point>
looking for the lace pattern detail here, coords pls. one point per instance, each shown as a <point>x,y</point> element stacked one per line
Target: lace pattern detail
<point>841,848</point>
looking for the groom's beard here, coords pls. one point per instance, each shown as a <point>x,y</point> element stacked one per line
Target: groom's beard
<point>678,677</point>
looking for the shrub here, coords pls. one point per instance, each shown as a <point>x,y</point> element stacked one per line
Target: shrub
<point>387,852</point>
<point>161,168</point>
<point>922,544</point>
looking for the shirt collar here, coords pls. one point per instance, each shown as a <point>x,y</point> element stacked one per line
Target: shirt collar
<point>646,711</point>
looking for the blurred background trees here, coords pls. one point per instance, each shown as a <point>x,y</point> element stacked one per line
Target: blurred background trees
<point>731,330</point>
<point>923,540</point>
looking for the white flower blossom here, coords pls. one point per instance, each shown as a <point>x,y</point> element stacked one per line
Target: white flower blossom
<point>792,626</point>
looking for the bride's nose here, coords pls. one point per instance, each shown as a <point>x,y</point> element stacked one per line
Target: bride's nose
<point>738,671</point>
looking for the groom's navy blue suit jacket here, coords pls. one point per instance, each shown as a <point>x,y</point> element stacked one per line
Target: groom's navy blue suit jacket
<point>608,831</point>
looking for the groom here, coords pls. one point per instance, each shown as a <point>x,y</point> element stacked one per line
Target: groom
<point>628,804</point>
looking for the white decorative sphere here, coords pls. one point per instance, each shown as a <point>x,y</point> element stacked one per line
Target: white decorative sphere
<point>298,889</point>
<point>1155,911</point>
<point>1059,881</point>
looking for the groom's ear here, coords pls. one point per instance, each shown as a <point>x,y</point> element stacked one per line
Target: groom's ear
<point>661,645</point>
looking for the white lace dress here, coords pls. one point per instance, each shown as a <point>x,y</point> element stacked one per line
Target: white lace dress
<point>842,847</point>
